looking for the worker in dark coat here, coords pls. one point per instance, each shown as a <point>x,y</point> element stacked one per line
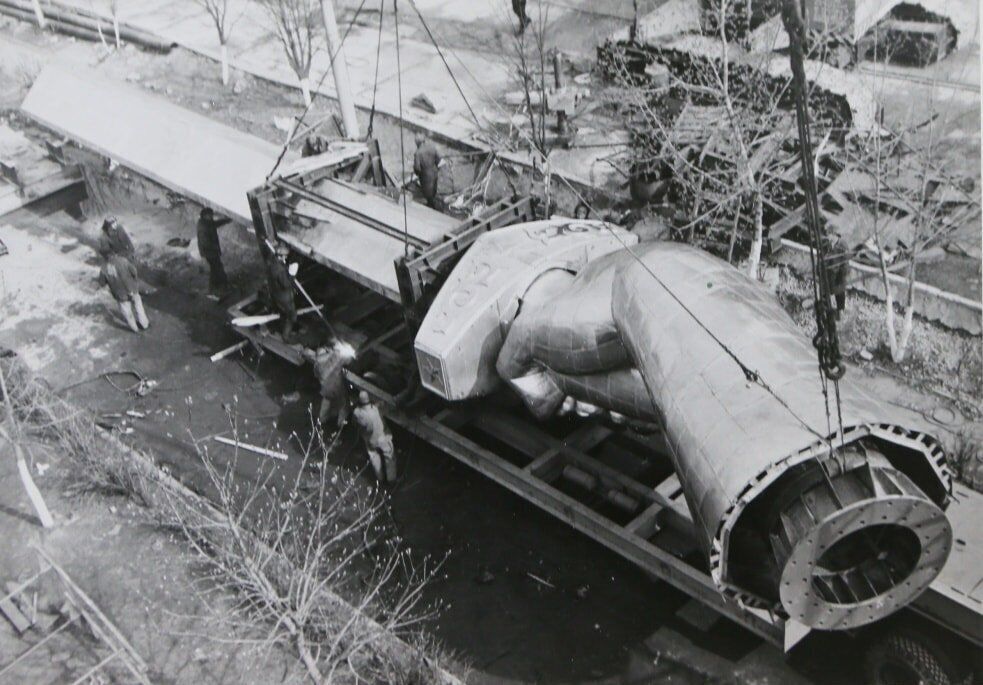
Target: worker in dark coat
<point>519,7</point>
<point>329,363</point>
<point>115,240</point>
<point>211,250</point>
<point>281,286</point>
<point>377,439</point>
<point>120,275</point>
<point>838,257</point>
<point>425,163</point>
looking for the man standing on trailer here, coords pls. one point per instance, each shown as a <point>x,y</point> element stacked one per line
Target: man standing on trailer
<point>120,275</point>
<point>281,286</point>
<point>210,250</point>
<point>425,163</point>
<point>377,438</point>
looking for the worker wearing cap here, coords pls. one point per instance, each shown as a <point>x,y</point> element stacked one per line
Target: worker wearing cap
<point>281,285</point>
<point>378,441</point>
<point>120,275</point>
<point>426,159</point>
<point>115,240</point>
<point>329,363</point>
<point>211,250</point>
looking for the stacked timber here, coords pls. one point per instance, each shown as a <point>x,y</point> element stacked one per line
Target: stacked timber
<point>84,24</point>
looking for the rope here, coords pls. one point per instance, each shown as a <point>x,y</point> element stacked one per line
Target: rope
<point>286,145</point>
<point>402,148</point>
<point>375,82</point>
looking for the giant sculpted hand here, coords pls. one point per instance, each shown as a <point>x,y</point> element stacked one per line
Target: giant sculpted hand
<point>574,314</point>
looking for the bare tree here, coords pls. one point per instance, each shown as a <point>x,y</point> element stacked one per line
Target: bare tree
<point>296,24</point>
<point>530,56</point>
<point>718,135</point>
<point>901,193</point>
<point>218,11</point>
<point>311,566</point>
<point>712,129</point>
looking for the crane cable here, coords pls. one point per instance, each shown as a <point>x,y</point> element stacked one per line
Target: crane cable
<point>375,80</point>
<point>402,147</point>
<point>307,107</point>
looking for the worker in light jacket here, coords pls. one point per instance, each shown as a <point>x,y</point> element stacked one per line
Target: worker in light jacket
<point>119,274</point>
<point>329,363</point>
<point>425,163</point>
<point>210,250</point>
<point>377,439</point>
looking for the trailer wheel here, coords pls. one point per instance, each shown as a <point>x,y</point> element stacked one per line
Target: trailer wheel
<point>912,658</point>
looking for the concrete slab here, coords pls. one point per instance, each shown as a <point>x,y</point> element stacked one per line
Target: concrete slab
<point>184,151</point>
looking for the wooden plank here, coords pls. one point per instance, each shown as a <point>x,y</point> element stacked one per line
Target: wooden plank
<point>13,614</point>
<point>348,248</point>
<point>186,152</point>
<point>546,464</point>
<point>646,524</point>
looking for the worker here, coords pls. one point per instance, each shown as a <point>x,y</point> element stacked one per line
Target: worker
<point>314,145</point>
<point>838,267</point>
<point>378,441</point>
<point>519,7</point>
<point>210,250</point>
<point>329,363</point>
<point>120,275</point>
<point>115,240</point>
<point>425,163</point>
<point>281,286</point>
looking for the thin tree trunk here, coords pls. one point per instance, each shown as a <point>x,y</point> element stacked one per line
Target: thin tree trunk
<point>892,338</point>
<point>305,89</point>
<point>305,654</point>
<point>754,259</point>
<point>909,312</point>
<point>225,63</point>
<point>42,23</point>
<point>116,27</point>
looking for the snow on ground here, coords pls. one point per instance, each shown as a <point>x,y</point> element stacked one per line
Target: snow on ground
<point>49,299</point>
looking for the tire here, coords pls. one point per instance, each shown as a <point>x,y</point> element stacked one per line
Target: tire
<point>909,657</point>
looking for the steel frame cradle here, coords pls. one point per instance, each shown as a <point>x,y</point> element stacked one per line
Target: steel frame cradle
<point>549,458</point>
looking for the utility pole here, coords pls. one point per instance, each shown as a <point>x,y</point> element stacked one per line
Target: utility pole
<point>339,68</point>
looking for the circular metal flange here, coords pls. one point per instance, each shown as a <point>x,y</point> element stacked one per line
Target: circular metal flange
<point>800,595</point>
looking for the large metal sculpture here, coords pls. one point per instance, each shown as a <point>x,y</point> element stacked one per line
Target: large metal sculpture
<point>834,513</point>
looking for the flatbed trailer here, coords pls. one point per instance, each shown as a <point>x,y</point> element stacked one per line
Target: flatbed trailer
<point>614,485</point>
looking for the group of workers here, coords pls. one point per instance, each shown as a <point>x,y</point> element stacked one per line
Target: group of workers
<point>119,271</point>
<point>329,362</point>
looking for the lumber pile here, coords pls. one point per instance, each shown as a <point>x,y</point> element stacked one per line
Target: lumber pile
<point>87,25</point>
